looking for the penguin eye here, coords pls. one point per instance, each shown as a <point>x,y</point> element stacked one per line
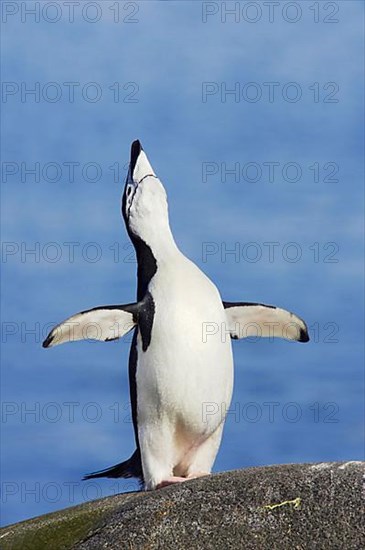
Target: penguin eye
<point>129,190</point>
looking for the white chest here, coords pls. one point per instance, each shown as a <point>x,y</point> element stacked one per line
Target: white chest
<point>184,370</point>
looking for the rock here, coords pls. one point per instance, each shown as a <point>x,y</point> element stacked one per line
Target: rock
<point>297,506</point>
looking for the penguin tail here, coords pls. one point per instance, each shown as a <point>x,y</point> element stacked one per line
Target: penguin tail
<point>129,468</point>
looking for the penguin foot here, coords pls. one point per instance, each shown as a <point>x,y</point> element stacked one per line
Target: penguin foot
<point>176,479</point>
<point>170,481</point>
<point>194,475</point>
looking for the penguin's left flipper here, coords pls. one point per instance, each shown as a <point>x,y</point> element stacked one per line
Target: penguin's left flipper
<point>103,323</point>
<point>247,319</point>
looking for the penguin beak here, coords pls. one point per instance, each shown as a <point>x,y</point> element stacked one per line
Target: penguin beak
<point>139,165</point>
<point>139,177</point>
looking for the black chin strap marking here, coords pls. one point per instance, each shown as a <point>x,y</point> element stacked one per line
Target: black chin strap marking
<point>147,176</point>
<point>132,198</point>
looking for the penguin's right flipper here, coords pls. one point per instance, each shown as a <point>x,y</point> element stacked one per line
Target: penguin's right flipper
<point>103,323</point>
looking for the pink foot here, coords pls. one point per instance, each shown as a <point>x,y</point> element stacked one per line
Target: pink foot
<point>194,475</point>
<point>170,481</point>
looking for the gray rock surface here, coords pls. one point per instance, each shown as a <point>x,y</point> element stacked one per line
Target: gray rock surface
<point>298,506</point>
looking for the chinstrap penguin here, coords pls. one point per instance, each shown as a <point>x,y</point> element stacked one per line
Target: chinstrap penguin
<point>174,371</point>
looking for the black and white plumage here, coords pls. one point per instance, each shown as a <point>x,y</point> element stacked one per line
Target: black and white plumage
<point>173,370</point>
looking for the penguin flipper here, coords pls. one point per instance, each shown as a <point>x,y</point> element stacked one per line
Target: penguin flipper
<point>103,323</point>
<point>129,468</point>
<point>247,319</point>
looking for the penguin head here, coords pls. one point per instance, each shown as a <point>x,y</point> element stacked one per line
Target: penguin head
<point>144,203</point>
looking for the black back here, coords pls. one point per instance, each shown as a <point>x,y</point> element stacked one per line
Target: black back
<point>146,268</point>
